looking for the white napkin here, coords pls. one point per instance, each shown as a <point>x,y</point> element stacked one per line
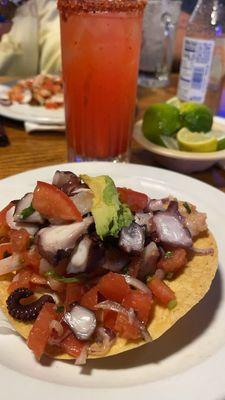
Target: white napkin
<point>31,126</point>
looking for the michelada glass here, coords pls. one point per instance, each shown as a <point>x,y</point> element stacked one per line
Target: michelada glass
<point>100,42</point>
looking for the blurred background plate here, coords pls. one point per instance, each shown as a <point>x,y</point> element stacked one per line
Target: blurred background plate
<point>182,161</point>
<point>26,112</point>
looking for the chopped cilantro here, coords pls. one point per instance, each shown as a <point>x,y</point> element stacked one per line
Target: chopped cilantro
<point>168,254</point>
<point>64,279</point>
<point>172,304</point>
<point>27,212</point>
<point>60,309</point>
<point>169,275</point>
<point>188,208</point>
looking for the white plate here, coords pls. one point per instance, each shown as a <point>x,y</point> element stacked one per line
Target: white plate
<point>182,161</point>
<point>187,363</point>
<point>25,112</point>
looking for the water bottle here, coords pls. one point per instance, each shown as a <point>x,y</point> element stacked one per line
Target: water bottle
<point>202,72</point>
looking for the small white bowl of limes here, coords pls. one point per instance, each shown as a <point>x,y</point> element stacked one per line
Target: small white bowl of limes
<point>182,136</point>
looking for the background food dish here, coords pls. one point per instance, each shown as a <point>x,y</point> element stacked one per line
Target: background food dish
<point>26,112</point>
<point>177,365</point>
<point>188,162</point>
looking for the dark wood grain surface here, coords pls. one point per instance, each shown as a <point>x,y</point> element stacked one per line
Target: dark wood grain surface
<point>27,151</point>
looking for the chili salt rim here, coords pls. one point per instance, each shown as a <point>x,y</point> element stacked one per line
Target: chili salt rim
<point>67,7</point>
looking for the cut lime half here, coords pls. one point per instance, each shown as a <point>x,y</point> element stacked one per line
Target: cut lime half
<point>174,101</point>
<point>196,142</point>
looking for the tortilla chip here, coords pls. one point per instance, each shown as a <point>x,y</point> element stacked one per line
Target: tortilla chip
<point>190,287</point>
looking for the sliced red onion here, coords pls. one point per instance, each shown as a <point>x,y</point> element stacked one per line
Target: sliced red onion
<point>132,238</point>
<point>144,219</point>
<point>21,205</point>
<point>160,273</point>
<point>156,205</point>
<point>203,252</point>
<point>81,321</point>
<point>105,338</point>
<point>57,327</point>
<point>30,228</point>
<point>10,264</point>
<point>82,358</point>
<point>83,201</point>
<point>52,239</point>
<point>56,341</point>
<point>170,228</point>
<point>137,284</point>
<point>114,306</point>
<point>150,257</point>
<point>130,314</point>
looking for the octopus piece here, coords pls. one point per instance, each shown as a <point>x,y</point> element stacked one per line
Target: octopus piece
<point>57,242</point>
<point>146,220</point>
<point>67,181</point>
<point>86,256</point>
<point>30,228</point>
<point>149,260</point>
<point>132,238</point>
<point>170,227</point>
<point>25,312</point>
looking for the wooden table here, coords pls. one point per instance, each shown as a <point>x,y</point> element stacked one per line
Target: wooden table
<point>27,151</point>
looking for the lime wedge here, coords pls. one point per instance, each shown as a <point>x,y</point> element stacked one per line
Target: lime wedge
<point>196,142</point>
<point>174,101</point>
<point>220,139</point>
<point>169,142</point>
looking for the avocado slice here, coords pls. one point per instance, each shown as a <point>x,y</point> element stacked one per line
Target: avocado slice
<point>110,215</point>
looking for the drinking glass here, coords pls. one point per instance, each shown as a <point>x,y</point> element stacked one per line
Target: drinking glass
<point>158,38</point>
<point>100,57</point>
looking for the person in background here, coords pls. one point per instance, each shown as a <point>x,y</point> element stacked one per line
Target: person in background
<point>32,45</point>
<point>186,11</point>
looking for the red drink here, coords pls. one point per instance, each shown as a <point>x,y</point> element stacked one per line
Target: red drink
<point>100,53</point>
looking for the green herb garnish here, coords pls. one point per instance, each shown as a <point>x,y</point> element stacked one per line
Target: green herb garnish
<point>169,275</point>
<point>27,212</point>
<point>63,279</point>
<point>188,208</point>
<point>168,254</point>
<point>6,254</point>
<point>125,270</point>
<point>172,304</point>
<point>60,309</point>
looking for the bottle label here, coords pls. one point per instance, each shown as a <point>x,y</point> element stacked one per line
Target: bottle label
<point>195,69</point>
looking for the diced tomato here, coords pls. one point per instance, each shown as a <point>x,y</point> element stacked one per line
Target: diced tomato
<point>90,298</point>
<point>5,249</point>
<point>113,287</point>
<point>53,203</point>
<point>4,228</point>
<point>176,261</point>
<point>136,201</point>
<point>23,280</point>
<point>20,240</point>
<point>109,319</point>
<point>125,329</point>
<point>72,346</point>
<point>74,292</point>
<point>141,303</point>
<point>52,105</point>
<point>40,332</point>
<point>161,291</point>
